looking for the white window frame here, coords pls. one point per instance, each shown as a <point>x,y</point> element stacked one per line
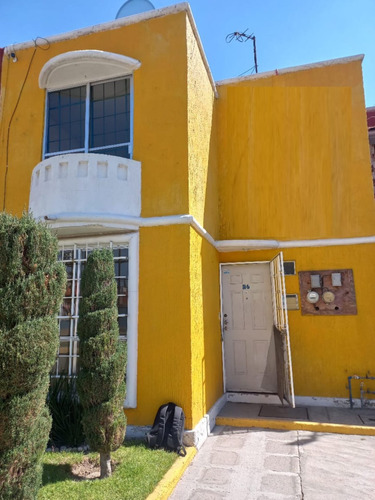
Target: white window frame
<point>132,241</point>
<point>86,148</point>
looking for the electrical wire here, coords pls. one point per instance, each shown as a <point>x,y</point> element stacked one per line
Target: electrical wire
<point>36,46</point>
<point>252,69</point>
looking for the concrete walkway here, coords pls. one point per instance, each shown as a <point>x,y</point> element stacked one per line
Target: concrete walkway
<point>243,463</point>
<point>345,420</point>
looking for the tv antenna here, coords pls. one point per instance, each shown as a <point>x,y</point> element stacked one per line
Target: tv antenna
<point>243,37</point>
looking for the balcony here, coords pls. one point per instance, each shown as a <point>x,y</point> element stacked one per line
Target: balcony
<point>85,189</point>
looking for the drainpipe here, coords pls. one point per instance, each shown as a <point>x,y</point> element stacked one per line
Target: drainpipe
<point>357,377</point>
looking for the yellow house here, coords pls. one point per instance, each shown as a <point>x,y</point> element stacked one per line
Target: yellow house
<point>117,135</point>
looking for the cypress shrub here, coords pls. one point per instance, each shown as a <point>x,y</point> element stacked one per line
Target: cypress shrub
<point>100,382</point>
<point>32,286</point>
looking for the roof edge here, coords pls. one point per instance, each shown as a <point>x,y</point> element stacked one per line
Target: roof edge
<point>292,69</point>
<point>201,49</point>
<point>107,26</point>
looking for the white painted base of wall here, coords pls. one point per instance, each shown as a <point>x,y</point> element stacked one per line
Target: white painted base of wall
<point>332,402</point>
<point>137,431</point>
<point>197,436</point>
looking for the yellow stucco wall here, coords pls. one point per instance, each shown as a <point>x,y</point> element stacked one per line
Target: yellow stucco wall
<point>203,192</point>
<point>179,341</point>
<point>327,349</point>
<point>164,348</point>
<point>206,364</point>
<point>293,156</point>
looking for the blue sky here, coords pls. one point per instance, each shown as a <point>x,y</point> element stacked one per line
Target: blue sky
<point>288,32</point>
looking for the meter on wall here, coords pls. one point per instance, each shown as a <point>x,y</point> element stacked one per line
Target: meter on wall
<point>328,297</point>
<point>312,297</point>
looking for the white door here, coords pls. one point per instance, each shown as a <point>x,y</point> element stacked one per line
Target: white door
<point>285,387</point>
<point>247,317</point>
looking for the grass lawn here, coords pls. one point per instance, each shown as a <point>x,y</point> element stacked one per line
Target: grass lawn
<point>135,476</point>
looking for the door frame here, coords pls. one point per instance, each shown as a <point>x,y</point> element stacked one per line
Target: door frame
<point>222,314</point>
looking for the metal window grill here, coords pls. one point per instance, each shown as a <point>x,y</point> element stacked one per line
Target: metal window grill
<point>74,258</point>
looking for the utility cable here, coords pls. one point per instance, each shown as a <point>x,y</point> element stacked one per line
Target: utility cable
<point>36,45</point>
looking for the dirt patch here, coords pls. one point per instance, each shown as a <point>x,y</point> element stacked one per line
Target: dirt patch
<point>88,468</point>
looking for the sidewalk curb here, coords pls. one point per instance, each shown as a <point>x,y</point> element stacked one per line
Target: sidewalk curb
<point>295,425</point>
<point>167,484</point>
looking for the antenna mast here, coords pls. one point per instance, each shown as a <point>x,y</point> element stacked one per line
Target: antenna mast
<point>243,37</point>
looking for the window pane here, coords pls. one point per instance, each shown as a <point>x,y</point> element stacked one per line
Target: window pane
<point>65,309</point>
<point>109,117</point>
<point>54,147</point>
<point>97,92</point>
<point>109,125</point>
<point>64,348</point>
<point>123,325</point>
<point>122,304</point>
<point>54,133</point>
<point>97,126</point>
<point>66,107</point>
<point>97,109</point>
<point>53,116</point>
<point>75,112</point>
<point>63,365</point>
<point>120,88</point>
<point>121,151</point>
<point>122,286</point>
<point>65,328</point>
<point>109,90</point>
<point>120,105</point>
<point>65,114</point>
<point>109,139</point>
<point>53,99</point>
<point>109,107</point>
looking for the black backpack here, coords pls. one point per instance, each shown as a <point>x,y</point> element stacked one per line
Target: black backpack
<point>168,429</point>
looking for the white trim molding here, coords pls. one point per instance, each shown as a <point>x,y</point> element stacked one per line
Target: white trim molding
<point>126,222</point>
<point>292,69</point>
<point>79,67</point>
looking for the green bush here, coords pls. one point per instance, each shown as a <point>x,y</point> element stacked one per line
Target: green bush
<point>66,412</point>
<point>100,382</point>
<point>32,286</point>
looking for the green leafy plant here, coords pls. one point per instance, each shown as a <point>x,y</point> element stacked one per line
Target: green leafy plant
<point>100,381</point>
<point>32,285</point>
<point>66,411</point>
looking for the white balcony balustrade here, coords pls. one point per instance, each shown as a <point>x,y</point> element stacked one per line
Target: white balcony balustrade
<point>86,186</point>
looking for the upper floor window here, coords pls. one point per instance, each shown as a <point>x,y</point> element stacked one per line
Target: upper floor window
<point>90,118</point>
<point>88,103</point>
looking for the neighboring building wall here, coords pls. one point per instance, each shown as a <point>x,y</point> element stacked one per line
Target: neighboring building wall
<point>371,136</point>
<point>293,161</point>
<point>1,64</point>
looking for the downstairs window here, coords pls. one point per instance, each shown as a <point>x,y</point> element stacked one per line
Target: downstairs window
<point>74,258</point>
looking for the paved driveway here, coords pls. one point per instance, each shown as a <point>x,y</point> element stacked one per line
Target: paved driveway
<point>265,464</point>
